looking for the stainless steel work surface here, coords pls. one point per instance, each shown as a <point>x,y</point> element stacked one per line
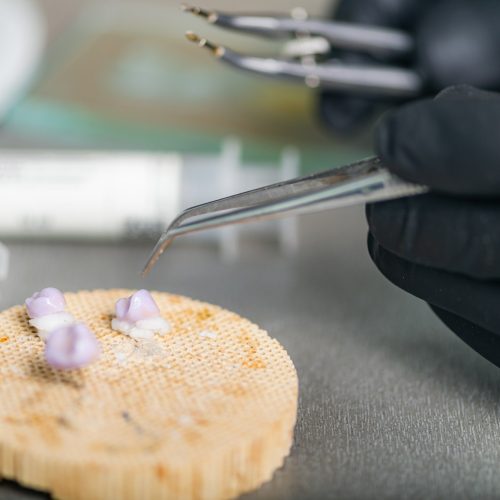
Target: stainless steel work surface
<point>392,404</point>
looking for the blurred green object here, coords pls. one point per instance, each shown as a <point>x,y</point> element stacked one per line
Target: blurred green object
<point>123,77</point>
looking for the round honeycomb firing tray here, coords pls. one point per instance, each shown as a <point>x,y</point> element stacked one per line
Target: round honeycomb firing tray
<point>205,412</point>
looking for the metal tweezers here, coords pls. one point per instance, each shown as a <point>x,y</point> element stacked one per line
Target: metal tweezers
<point>365,181</point>
<point>313,38</point>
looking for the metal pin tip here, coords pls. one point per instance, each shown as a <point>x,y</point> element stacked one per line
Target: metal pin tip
<point>189,8</point>
<point>211,16</point>
<point>159,248</point>
<point>217,50</point>
<point>193,37</point>
<point>147,269</point>
<point>153,258</point>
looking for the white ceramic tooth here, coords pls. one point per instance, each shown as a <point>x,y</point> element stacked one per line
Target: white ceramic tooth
<point>121,326</point>
<point>138,333</point>
<point>50,322</point>
<point>157,324</point>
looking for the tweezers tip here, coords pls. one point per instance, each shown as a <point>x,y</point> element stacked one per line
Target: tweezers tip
<point>189,8</point>
<point>192,37</point>
<point>209,15</point>
<point>159,248</point>
<point>153,258</point>
<point>149,265</point>
<point>216,50</point>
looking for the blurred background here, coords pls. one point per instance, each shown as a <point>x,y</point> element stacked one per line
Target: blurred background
<point>120,74</point>
<point>111,122</point>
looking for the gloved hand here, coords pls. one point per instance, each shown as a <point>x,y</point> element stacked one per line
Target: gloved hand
<point>444,247</point>
<point>457,41</point>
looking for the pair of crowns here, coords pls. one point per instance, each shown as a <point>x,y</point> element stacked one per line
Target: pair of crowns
<point>70,344</point>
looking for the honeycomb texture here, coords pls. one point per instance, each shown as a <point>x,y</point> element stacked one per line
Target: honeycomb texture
<point>205,412</point>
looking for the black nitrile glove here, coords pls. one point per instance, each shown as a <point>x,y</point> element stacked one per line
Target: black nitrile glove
<point>457,42</point>
<point>444,247</point>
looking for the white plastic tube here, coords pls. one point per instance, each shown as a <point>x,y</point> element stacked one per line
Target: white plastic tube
<point>121,195</point>
<point>93,195</point>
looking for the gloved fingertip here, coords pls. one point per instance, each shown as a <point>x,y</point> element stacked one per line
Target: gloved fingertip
<point>458,91</point>
<point>386,144</point>
<point>388,223</point>
<point>385,139</point>
<point>344,114</point>
<point>368,212</point>
<point>397,143</point>
<point>372,247</point>
<point>449,144</point>
<point>463,91</point>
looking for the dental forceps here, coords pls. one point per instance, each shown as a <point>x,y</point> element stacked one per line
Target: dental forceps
<point>365,181</point>
<point>310,40</point>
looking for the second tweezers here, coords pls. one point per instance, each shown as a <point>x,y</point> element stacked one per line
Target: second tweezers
<point>306,37</point>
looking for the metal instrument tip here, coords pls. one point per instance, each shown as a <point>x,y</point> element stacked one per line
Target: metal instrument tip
<point>209,15</point>
<point>217,50</point>
<point>192,37</point>
<point>159,248</point>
